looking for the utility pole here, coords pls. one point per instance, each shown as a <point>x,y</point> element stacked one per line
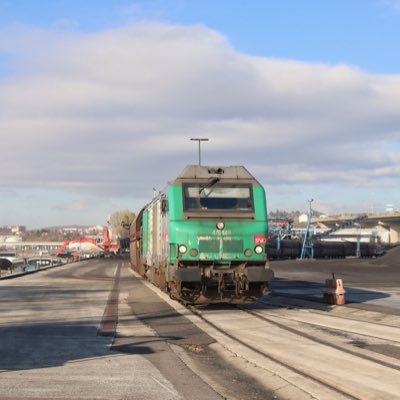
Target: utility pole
<point>199,140</point>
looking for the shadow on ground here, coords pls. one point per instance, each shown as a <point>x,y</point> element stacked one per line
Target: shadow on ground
<point>46,345</point>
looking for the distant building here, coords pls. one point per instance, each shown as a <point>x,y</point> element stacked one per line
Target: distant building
<point>70,229</point>
<point>13,239</point>
<point>12,229</point>
<point>389,208</point>
<point>16,230</point>
<point>303,218</point>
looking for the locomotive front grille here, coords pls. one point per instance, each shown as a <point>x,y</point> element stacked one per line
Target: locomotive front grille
<point>233,246</point>
<point>209,246</point>
<point>214,246</point>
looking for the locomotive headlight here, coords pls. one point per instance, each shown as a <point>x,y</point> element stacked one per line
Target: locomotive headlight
<point>220,225</point>
<point>182,249</point>
<point>258,249</point>
<point>193,252</point>
<point>248,252</point>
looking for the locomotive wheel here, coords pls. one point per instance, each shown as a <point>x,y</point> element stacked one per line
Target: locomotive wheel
<point>255,289</point>
<point>172,291</point>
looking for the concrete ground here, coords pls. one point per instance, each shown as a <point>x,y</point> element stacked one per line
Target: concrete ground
<point>369,283</point>
<point>50,347</point>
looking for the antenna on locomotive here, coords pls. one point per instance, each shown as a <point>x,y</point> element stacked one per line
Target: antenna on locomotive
<point>199,140</point>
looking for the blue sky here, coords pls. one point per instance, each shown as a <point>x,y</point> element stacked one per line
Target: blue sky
<point>305,93</point>
<point>363,33</point>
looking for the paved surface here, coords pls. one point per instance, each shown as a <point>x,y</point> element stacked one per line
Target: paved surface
<point>372,284</point>
<point>164,328</point>
<point>50,348</point>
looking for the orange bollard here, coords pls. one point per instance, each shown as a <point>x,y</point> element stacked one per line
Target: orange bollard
<point>334,292</point>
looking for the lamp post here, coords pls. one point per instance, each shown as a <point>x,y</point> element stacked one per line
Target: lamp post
<point>200,140</point>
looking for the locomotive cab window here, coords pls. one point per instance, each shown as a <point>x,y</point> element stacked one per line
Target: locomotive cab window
<point>218,197</point>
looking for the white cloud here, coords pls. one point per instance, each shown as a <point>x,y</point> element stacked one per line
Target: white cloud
<point>77,205</point>
<point>393,3</point>
<point>113,111</point>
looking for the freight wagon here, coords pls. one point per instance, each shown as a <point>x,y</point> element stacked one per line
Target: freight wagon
<point>291,249</point>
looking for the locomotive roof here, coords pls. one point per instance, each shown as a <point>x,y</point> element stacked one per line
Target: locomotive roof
<point>224,172</point>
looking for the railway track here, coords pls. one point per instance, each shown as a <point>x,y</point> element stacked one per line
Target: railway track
<point>323,334</point>
<point>294,303</point>
<point>385,326</point>
<point>325,355</point>
<point>307,350</point>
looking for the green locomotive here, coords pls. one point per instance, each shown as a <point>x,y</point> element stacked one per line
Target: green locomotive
<point>203,239</point>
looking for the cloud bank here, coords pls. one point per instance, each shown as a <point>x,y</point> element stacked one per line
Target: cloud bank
<point>111,113</point>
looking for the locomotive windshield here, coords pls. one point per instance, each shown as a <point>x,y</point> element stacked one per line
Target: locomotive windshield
<point>218,196</point>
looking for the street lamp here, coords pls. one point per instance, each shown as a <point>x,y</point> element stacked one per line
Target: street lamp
<point>200,140</point>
